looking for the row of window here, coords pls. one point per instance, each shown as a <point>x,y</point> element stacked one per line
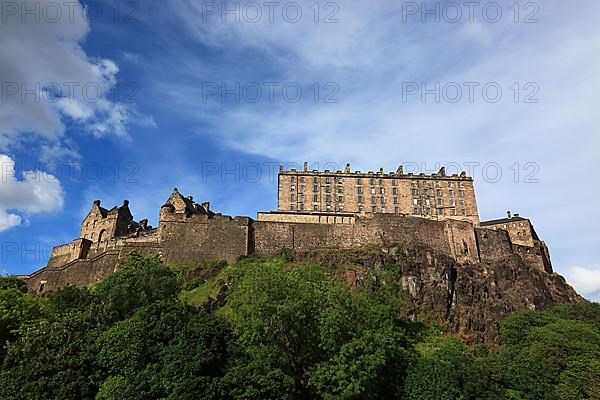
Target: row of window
<point>359,189</point>
<point>374,209</point>
<point>340,199</point>
<point>359,181</point>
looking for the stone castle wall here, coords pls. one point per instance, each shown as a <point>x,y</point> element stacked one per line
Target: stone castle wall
<point>200,237</point>
<point>187,238</point>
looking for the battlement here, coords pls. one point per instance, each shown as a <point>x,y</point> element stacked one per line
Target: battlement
<point>398,174</point>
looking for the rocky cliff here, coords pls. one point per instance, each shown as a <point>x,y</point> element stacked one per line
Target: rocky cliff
<point>468,299</point>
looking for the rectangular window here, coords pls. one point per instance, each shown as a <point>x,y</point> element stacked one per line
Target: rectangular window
<point>382,200</point>
<point>301,179</point>
<point>397,210</point>
<point>464,212</point>
<point>301,207</point>
<point>394,182</point>
<point>453,211</point>
<point>439,193</point>
<point>440,202</point>
<point>416,211</point>
<point>374,209</point>
<point>340,180</point>
<point>382,190</point>
<point>340,189</point>
<point>302,188</point>
<point>328,199</point>
<point>395,191</point>
<point>292,207</point>
<point>361,208</point>
<point>440,211</point>
<point>315,180</point>
<point>360,190</point>
<point>413,183</point>
<point>395,200</point>
<point>427,202</point>
<point>328,180</point>
<point>451,192</point>
<point>293,197</point>
<point>461,202</point>
<point>415,201</point>
<point>293,179</point>
<point>360,199</point>
<point>315,188</point>
<point>415,192</point>
<point>428,211</point>
<point>316,198</point>
<point>359,181</point>
<point>341,199</point>
<point>327,189</point>
<point>372,181</point>
<point>315,208</point>
<point>301,197</point>
<point>292,188</point>
<point>373,200</point>
<point>450,184</point>
<point>452,203</point>
<point>461,193</point>
<point>372,190</point>
<point>380,182</point>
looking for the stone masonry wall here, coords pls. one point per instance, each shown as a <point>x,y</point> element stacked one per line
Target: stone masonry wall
<point>493,244</point>
<point>270,237</point>
<point>200,238</point>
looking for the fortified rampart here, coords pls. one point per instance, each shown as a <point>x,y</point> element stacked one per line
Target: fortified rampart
<point>189,232</point>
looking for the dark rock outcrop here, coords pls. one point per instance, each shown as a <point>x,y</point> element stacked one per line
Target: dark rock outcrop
<point>467,299</point>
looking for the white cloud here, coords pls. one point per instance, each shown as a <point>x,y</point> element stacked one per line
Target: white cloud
<point>46,76</point>
<point>585,280</point>
<point>36,192</point>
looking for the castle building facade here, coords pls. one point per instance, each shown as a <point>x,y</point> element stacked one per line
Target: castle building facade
<point>435,196</point>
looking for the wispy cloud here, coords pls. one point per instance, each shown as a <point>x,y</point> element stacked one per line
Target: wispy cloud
<point>585,280</point>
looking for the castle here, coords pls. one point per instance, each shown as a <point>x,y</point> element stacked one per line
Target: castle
<point>316,210</point>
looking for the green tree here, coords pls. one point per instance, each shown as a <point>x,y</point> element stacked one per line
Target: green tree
<point>448,369</point>
<point>551,355</point>
<point>140,281</point>
<point>302,326</point>
<point>16,308</point>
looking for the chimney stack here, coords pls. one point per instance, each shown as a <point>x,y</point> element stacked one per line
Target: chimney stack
<point>305,166</point>
<point>125,203</point>
<point>347,168</point>
<point>509,214</point>
<point>400,170</point>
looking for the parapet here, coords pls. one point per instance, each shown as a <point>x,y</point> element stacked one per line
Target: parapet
<point>398,174</point>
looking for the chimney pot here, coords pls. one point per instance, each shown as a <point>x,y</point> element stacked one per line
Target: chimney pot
<point>509,214</point>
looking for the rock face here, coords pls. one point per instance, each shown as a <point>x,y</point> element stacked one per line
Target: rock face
<point>468,299</point>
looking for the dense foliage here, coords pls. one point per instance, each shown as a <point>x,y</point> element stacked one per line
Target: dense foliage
<point>271,329</point>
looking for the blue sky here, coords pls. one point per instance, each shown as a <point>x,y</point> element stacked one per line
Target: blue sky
<point>379,83</point>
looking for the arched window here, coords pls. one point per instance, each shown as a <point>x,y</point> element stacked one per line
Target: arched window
<point>101,236</point>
